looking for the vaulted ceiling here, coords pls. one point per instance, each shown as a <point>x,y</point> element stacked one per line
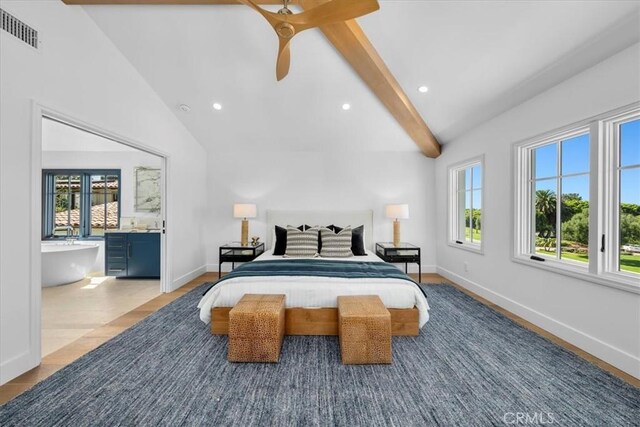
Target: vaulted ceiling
<point>477,58</point>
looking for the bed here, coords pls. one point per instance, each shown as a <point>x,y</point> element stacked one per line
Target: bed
<point>311,301</point>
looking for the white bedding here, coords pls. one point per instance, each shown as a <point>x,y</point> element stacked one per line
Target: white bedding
<point>315,292</point>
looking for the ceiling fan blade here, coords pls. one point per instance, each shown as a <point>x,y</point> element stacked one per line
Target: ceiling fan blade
<point>288,25</point>
<point>271,17</point>
<point>331,12</point>
<point>284,59</point>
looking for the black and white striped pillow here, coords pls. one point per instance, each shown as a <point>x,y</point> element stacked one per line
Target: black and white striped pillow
<point>301,243</point>
<point>336,245</point>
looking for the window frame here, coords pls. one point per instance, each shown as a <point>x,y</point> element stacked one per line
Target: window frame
<point>558,139</point>
<point>603,188</point>
<point>48,201</point>
<point>453,208</point>
<point>611,228</point>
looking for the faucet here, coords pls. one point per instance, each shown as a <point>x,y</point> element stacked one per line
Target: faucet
<point>69,229</point>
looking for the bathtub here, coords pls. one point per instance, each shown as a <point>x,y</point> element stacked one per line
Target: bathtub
<point>64,263</point>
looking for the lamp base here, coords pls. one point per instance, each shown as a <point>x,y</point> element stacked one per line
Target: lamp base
<point>244,239</point>
<point>396,233</point>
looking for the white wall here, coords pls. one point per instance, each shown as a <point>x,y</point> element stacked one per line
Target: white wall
<point>305,180</point>
<point>601,320</point>
<point>79,72</point>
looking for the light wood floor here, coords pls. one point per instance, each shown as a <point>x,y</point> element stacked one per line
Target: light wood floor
<point>75,350</point>
<point>72,311</point>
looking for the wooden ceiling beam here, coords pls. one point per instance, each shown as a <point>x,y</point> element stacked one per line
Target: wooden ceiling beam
<point>352,43</point>
<point>350,40</point>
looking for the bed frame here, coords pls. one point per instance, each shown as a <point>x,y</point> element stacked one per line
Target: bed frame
<point>324,320</point>
<point>321,321</point>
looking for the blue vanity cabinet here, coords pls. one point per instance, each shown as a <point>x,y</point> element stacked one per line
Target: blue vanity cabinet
<point>115,254</point>
<point>143,255</point>
<point>132,254</point>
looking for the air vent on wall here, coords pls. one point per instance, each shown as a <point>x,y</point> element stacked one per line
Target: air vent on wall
<point>19,29</point>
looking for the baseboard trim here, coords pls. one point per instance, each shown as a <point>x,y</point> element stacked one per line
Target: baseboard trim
<point>213,268</point>
<point>186,278</point>
<point>612,355</point>
<point>426,269</point>
<point>16,366</point>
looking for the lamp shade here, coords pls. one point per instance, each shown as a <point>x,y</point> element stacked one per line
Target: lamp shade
<point>244,210</point>
<point>397,211</point>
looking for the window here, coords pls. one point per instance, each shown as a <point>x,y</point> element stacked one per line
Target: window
<point>84,203</point>
<point>625,195</point>
<point>560,187</point>
<point>465,204</point>
<point>577,200</point>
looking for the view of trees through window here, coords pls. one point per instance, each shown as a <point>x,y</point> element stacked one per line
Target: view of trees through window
<point>629,191</point>
<point>562,223</point>
<point>470,197</point>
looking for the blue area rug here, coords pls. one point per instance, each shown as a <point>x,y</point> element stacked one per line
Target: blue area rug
<point>470,366</point>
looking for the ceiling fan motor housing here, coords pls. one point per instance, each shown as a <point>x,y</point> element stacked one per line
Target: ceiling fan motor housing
<point>285,30</point>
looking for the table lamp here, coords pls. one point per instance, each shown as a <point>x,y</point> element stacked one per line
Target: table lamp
<point>244,211</point>
<point>397,212</point>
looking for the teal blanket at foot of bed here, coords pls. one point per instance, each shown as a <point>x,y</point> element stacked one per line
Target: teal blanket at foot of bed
<point>317,268</point>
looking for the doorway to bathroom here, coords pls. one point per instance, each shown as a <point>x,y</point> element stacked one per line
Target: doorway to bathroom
<point>103,229</point>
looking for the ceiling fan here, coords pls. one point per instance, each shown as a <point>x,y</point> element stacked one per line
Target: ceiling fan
<point>287,24</point>
<point>335,19</point>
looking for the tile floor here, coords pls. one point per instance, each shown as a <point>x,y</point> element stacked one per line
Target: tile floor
<point>72,311</point>
<point>71,352</point>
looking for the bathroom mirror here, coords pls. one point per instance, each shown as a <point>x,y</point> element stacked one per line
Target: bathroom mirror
<point>147,190</point>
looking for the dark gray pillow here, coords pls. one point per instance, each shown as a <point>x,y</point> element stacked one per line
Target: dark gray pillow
<point>357,241</point>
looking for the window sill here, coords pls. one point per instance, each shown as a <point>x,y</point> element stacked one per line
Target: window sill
<point>628,284</point>
<point>477,249</point>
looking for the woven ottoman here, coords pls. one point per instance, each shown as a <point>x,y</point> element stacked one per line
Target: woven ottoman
<point>364,326</point>
<point>256,328</point>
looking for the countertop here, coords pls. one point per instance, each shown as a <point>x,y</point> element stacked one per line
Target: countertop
<point>133,231</point>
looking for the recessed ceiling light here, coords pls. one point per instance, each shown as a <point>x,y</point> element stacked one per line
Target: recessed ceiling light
<point>346,107</point>
<point>184,107</point>
<point>217,106</point>
<point>423,89</point>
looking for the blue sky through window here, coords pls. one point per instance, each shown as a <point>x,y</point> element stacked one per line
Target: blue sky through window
<point>630,186</point>
<point>630,143</point>
<point>575,155</point>
<point>575,160</point>
<point>546,158</point>
<point>476,172</point>
<point>630,155</point>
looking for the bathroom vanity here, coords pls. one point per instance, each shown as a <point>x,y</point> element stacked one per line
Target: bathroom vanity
<point>132,254</point>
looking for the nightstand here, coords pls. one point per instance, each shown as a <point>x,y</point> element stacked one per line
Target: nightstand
<point>235,252</point>
<point>404,253</point>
